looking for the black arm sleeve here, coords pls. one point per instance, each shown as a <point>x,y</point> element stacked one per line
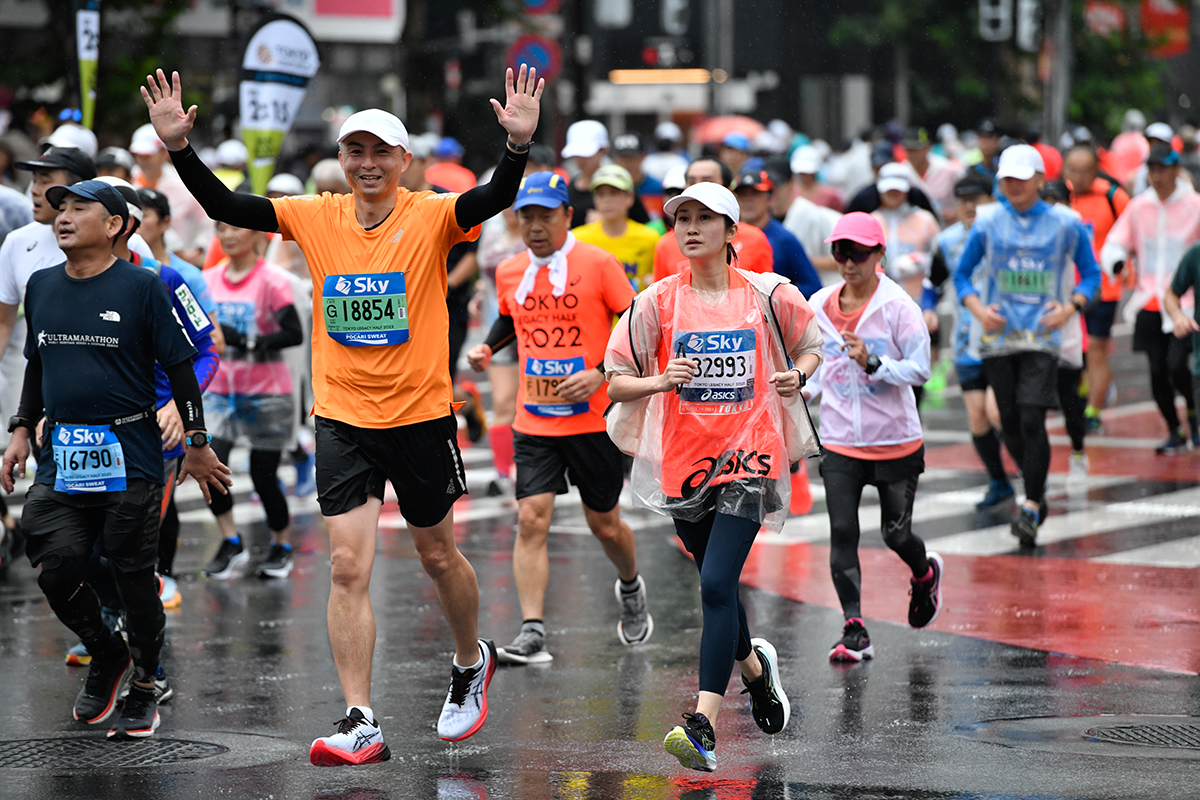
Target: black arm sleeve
<point>938,270</point>
<point>291,333</point>
<point>489,199</point>
<point>32,405</point>
<point>242,210</point>
<point>503,331</point>
<point>186,391</point>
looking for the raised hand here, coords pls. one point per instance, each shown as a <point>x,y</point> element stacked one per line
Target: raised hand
<point>165,101</point>
<point>519,114</point>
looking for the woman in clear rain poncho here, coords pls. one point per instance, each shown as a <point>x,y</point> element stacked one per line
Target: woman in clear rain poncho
<point>706,369</point>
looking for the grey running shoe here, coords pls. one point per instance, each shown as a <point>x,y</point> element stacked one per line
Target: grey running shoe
<point>278,563</point>
<point>528,648</point>
<point>636,624</point>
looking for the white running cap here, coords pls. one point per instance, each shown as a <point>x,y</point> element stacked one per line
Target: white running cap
<point>145,141</point>
<point>1159,130</point>
<point>232,153</point>
<point>806,160</point>
<point>893,177</point>
<point>286,184</point>
<point>711,195</point>
<point>1021,161</point>
<point>72,135</point>
<point>585,138</point>
<point>676,177</point>
<point>387,127</point>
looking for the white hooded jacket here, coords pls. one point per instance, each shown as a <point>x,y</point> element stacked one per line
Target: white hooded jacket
<point>861,410</point>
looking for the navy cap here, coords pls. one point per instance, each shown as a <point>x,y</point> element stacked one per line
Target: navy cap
<point>449,147</point>
<point>1162,153</point>
<point>103,193</point>
<point>546,189</point>
<point>72,159</point>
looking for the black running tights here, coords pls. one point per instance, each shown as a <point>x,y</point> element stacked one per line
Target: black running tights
<point>1169,374</point>
<point>263,466</point>
<point>1027,441</point>
<point>64,582</point>
<point>720,543</point>
<point>1073,405</point>
<point>843,494</point>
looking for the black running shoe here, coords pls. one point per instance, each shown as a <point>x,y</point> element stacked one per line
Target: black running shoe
<point>139,715</point>
<point>1175,443</point>
<point>105,680</point>
<point>855,645</point>
<point>768,702</point>
<point>278,563</point>
<point>231,557</point>
<point>1025,527</point>
<point>694,743</point>
<point>926,595</point>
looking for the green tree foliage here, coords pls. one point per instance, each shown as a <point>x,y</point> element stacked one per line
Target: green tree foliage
<point>1114,73</point>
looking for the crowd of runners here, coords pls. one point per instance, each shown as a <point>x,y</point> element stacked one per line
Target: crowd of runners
<point>696,327</point>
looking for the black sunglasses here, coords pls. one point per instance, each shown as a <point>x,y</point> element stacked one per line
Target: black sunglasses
<point>842,255</point>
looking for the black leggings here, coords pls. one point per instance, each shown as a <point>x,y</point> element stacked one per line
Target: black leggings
<point>1169,374</point>
<point>64,582</point>
<point>1073,405</point>
<point>720,543</point>
<point>843,494</point>
<point>263,466</point>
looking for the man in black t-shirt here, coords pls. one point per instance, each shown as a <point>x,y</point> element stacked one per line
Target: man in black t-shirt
<point>96,326</point>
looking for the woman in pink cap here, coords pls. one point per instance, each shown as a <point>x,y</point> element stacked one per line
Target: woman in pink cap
<point>876,349</point>
<point>706,368</point>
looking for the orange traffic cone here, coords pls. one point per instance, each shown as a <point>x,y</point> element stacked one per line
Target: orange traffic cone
<point>802,499</point>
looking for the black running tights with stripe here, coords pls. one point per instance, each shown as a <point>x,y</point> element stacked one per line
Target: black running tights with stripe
<point>843,495</point>
<point>720,543</point>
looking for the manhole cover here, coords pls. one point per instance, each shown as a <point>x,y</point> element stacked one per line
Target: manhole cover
<point>1160,736</point>
<point>102,754</point>
<point>1185,736</point>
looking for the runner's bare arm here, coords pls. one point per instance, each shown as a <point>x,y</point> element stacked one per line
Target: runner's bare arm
<point>519,117</point>
<point>172,124</point>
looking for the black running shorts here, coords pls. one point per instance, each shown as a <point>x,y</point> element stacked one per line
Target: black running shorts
<point>590,460</point>
<point>68,525</point>
<point>421,460</point>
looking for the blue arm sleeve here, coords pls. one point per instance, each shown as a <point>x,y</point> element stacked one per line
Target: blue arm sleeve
<point>206,361</point>
<point>1085,262</point>
<point>972,254</point>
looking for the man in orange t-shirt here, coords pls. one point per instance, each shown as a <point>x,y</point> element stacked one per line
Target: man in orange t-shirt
<point>750,243</point>
<point>558,300</point>
<point>1099,201</point>
<point>383,399</point>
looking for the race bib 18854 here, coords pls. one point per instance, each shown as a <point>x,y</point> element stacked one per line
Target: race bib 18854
<point>365,310</point>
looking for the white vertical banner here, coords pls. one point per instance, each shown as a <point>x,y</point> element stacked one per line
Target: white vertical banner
<point>280,58</point>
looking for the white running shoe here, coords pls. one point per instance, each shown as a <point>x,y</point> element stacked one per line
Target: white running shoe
<point>636,624</point>
<point>1077,474</point>
<point>466,709</point>
<point>357,741</point>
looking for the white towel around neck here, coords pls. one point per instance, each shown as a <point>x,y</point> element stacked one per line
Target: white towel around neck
<point>558,271</point>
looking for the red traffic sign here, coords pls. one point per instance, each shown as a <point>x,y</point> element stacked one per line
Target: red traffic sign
<point>538,52</point>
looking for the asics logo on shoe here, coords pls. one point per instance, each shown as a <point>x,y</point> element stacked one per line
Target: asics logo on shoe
<point>362,738</point>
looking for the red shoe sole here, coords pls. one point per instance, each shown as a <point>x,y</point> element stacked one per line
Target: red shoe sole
<point>322,755</point>
<point>487,681</point>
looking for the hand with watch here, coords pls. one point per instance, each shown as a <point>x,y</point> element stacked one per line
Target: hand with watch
<point>202,463</point>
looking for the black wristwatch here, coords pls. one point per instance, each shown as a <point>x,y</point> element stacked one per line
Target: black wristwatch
<point>1078,305</point>
<point>803,377</point>
<point>873,363</point>
<point>200,439</point>
<point>15,422</point>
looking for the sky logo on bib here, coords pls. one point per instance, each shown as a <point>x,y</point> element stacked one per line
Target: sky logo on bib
<point>343,286</point>
<point>362,285</point>
<point>550,367</point>
<point>64,436</point>
<point>80,436</point>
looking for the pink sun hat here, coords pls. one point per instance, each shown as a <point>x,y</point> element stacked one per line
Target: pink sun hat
<point>858,226</point>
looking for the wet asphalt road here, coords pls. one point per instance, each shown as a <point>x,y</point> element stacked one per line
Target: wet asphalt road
<point>255,682</point>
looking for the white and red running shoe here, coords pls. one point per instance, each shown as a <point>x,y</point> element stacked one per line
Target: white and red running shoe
<point>357,741</point>
<point>466,709</point>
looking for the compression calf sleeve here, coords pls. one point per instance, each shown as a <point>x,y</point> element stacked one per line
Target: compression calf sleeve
<point>987,447</point>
